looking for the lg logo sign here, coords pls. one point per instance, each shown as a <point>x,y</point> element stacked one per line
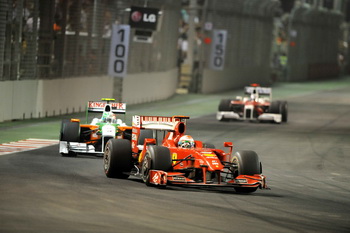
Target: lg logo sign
<point>143,18</point>
<point>136,16</point>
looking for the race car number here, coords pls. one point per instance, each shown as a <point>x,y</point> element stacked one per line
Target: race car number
<point>118,56</point>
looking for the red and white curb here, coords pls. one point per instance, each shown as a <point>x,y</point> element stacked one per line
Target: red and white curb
<point>25,145</point>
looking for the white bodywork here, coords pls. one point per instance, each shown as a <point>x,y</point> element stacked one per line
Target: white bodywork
<point>108,132</point>
<point>77,147</point>
<point>258,94</point>
<point>277,118</point>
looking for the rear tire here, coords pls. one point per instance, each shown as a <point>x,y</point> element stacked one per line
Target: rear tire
<point>145,133</point>
<point>117,158</point>
<point>156,158</point>
<point>208,145</point>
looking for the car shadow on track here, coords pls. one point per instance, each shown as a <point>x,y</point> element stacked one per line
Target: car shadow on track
<point>82,156</point>
<point>226,190</point>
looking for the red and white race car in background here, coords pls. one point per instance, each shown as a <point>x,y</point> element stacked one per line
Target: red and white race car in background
<point>257,104</point>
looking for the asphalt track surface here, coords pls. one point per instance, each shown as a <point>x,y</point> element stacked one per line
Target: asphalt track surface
<point>306,161</point>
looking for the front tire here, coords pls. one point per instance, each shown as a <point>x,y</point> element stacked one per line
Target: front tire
<point>275,107</point>
<point>70,132</point>
<point>156,158</point>
<point>284,111</point>
<point>117,158</point>
<point>225,105</point>
<point>248,164</point>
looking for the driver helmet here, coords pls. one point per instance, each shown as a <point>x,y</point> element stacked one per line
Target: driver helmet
<point>104,117</point>
<point>253,95</point>
<point>111,118</point>
<point>108,117</point>
<point>186,141</point>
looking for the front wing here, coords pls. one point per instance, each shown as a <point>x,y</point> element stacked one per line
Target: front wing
<point>235,116</point>
<point>77,147</point>
<point>162,178</point>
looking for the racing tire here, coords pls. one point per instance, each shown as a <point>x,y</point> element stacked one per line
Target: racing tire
<point>208,145</point>
<point>248,164</point>
<point>156,158</point>
<point>284,111</point>
<point>117,160</point>
<point>275,107</point>
<point>225,105</point>
<point>70,132</point>
<point>144,133</point>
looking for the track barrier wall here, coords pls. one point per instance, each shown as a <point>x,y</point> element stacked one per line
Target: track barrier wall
<point>54,54</point>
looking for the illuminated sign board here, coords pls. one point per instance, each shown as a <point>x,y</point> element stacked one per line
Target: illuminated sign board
<point>143,18</point>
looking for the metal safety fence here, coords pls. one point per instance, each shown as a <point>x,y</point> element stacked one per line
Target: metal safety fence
<point>46,39</point>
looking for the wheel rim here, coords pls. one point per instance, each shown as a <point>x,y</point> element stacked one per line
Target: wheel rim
<point>106,159</point>
<point>146,164</point>
<point>235,170</point>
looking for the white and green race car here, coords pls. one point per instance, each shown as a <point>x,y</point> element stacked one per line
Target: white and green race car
<point>91,138</point>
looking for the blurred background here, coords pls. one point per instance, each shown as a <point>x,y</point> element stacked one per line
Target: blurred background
<point>54,54</point>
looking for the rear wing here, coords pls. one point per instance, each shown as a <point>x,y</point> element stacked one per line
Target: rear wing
<point>259,90</point>
<point>101,106</point>
<point>157,122</point>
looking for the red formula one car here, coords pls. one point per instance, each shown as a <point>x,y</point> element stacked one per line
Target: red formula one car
<point>160,153</point>
<point>257,104</point>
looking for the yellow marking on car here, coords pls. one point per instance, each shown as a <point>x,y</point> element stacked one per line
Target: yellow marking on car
<point>208,155</point>
<point>174,157</point>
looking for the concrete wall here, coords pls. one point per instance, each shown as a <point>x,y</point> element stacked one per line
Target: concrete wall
<point>41,98</point>
<point>18,98</point>
<point>148,87</point>
<point>233,77</point>
<point>249,26</point>
<point>315,34</point>
<point>152,70</point>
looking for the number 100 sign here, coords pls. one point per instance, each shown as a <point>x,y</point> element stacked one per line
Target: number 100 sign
<point>118,56</point>
<point>218,47</point>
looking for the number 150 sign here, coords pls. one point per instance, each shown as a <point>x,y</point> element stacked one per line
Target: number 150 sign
<point>118,56</point>
<point>217,55</point>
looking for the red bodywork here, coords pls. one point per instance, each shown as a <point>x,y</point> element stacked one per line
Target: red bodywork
<point>257,107</point>
<point>199,166</point>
